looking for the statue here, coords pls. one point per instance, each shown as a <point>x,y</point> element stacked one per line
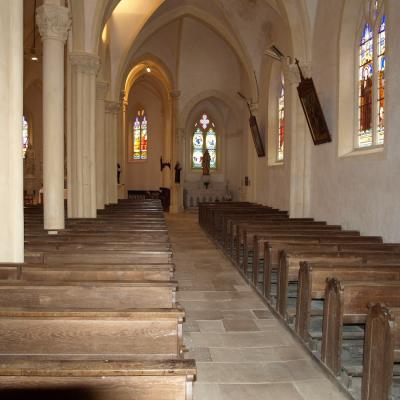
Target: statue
<point>205,163</point>
<point>29,161</point>
<point>118,173</point>
<point>178,169</point>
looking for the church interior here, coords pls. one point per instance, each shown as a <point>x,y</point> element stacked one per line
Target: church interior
<point>196,199</point>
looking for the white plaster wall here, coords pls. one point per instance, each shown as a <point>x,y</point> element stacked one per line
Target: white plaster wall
<point>360,192</point>
<point>146,175</point>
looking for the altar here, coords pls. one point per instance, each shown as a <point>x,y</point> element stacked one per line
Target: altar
<point>196,192</point>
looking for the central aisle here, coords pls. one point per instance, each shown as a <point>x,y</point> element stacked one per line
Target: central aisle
<point>241,350</point>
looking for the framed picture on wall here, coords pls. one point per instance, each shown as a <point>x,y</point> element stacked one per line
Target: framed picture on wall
<point>256,136</point>
<point>313,110</point>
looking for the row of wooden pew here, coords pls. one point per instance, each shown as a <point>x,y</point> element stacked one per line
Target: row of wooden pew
<point>92,312</point>
<point>338,290</point>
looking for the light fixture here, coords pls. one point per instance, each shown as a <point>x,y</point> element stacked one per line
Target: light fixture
<point>274,53</point>
<point>33,56</point>
<point>148,69</point>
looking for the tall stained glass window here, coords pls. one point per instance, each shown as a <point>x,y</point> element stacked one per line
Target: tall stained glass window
<point>281,121</point>
<point>371,77</point>
<point>140,136</point>
<point>25,136</point>
<point>204,138</point>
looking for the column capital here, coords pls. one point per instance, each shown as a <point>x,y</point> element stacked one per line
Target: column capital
<point>291,72</point>
<point>175,93</point>
<point>85,62</point>
<point>253,107</point>
<point>101,89</point>
<point>112,107</point>
<point>53,22</point>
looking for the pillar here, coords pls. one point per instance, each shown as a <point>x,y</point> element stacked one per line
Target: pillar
<point>82,138</point>
<point>112,111</point>
<point>176,189</point>
<point>54,23</point>
<point>122,135</point>
<point>11,108</point>
<point>101,91</point>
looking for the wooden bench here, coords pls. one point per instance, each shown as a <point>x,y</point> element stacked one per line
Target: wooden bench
<point>347,303</point>
<point>58,334</point>
<point>289,267</point>
<point>88,295</point>
<point>99,257</point>
<point>312,282</point>
<point>381,351</point>
<point>88,272</point>
<point>97,380</point>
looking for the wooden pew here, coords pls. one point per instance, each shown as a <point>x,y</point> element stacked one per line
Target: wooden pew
<point>97,380</point>
<point>347,303</point>
<point>88,272</point>
<point>312,282</point>
<point>381,351</point>
<point>88,295</point>
<point>289,266</point>
<point>99,257</point>
<point>137,334</point>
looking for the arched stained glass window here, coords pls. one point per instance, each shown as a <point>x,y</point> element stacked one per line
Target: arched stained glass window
<point>371,78</point>
<point>204,138</point>
<point>140,136</point>
<point>281,121</point>
<point>25,136</point>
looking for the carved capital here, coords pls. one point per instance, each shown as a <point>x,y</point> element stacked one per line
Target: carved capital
<point>85,63</point>
<point>113,107</point>
<point>101,89</point>
<point>253,107</point>
<point>175,94</point>
<point>291,72</point>
<point>53,22</point>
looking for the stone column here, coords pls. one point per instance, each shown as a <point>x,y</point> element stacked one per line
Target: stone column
<point>122,135</point>
<point>112,111</point>
<point>101,91</point>
<point>176,189</point>
<point>82,138</point>
<point>297,144</point>
<point>11,88</point>
<point>54,23</point>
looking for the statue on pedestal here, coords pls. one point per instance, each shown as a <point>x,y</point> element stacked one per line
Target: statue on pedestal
<point>205,163</point>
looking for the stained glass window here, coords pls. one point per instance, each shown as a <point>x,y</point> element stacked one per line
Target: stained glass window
<point>25,136</point>
<point>381,81</point>
<point>204,138</point>
<point>140,136</point>
<point>371,78</point>
<point>281,121</point>
<point>365,87</point>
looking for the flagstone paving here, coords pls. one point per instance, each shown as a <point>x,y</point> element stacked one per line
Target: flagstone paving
<point>242,352</point>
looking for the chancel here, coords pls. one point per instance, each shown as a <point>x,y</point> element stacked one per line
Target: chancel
<point>156,243</point>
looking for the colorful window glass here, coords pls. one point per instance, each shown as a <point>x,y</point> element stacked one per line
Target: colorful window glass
<point>365,88</point>
<point>140,136</point>
<point>281,122</point>
<point>25,136</point>
<point>381,81</point>
<point>371,78</point>
<point>204,138</point>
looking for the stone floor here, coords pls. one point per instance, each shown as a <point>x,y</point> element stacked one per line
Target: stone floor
<point>242,351</point>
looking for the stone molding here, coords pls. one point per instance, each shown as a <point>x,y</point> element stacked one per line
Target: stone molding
<point>85,62</point>
<point>113,107</point>
<point>175,93</point>
<point>53,22</point>
<point>101,90</point>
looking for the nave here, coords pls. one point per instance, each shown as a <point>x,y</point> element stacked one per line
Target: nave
<point>242,351</point>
